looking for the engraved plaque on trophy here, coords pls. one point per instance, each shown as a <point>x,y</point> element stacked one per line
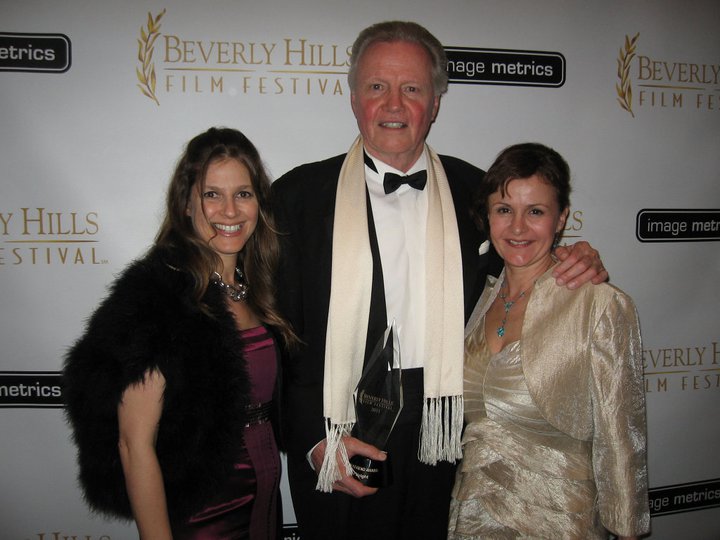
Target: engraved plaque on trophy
<point>378,402</point>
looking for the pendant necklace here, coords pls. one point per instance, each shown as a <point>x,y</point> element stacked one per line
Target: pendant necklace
<point>507,304</point>
<point>237,293</point>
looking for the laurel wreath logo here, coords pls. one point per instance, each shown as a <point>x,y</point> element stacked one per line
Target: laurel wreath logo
<point>624,88</point>
<point>146,46</point>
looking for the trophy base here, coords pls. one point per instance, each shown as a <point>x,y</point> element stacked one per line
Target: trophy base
<point>371,472</point>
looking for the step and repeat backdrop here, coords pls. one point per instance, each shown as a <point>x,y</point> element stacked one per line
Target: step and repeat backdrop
<point>98,98</point>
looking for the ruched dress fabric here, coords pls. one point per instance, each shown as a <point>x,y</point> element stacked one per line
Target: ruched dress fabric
<point>247,507</point>
<point>520,477</point>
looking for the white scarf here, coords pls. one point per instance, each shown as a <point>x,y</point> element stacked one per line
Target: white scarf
<point>350,291</point>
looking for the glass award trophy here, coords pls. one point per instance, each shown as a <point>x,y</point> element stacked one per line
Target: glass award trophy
<point>378,402</point>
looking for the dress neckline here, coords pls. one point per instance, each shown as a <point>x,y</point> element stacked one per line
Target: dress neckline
<point>254,331</point>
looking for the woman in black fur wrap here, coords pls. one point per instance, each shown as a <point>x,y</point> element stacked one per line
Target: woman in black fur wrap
<point>170,390</point>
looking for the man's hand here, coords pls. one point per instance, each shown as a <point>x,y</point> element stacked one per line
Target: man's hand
<point>579,263</point>
<point>348,484</point>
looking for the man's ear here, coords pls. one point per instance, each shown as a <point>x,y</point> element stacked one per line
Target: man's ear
<point>352,103</point>
<point>436,107</point>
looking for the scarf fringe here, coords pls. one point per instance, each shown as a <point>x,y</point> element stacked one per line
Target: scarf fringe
<point>441,431</point>
<point>330,470</point>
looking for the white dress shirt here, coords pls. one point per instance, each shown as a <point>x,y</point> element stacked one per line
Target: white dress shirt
<point>400,223</point>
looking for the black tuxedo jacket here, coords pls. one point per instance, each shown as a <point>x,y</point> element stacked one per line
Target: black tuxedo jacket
<point>304,205</point>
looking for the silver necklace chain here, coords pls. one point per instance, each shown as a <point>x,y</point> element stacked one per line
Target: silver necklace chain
<point>507,304</point>
<point>237,293</point>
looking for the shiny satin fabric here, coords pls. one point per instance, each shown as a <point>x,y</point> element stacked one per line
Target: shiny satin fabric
<point>247,505</point>
<point>547,411</point>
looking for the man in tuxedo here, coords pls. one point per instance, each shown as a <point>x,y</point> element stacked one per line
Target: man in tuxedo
<point>380,234</point>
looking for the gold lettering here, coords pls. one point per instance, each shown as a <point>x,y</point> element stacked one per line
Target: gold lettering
<point>27,220</point>
<point>223,56</point>
<point>89,219</point>
<point>205,55</point>
<point>660,99</point>
<point>188,52</point>
<point>644,71</point>
<point>659,384</point>
<point>268,52</point>
<point>171,47</point>
<point>683,72</point>
<point>700,382</point>
<point>707,101</point>
<point>290,51</point>
<point>5,219</point>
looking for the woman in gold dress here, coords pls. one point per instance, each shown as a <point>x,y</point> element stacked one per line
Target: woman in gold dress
<point>555,443</point>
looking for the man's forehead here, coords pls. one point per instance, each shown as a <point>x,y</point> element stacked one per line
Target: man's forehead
<point>396,55</point>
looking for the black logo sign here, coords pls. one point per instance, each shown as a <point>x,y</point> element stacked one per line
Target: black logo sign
<point>678,225</point>
<point>684,497</point>
<point>34,52</point>
<point>506,67</point>
<point>30,389</point>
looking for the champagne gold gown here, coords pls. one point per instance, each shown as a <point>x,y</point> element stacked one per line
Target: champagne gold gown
<point>521,476</point>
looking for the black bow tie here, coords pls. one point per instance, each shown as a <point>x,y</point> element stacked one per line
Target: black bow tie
<point>393,181</point>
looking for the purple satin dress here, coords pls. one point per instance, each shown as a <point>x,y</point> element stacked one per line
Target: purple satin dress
<point>247,506</point>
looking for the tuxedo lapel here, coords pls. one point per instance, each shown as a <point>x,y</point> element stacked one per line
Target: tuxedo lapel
<point>474,265</point>
<point>377,322</point>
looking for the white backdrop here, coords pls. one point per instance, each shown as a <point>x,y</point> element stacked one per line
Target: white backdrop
<point>85,158</point>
